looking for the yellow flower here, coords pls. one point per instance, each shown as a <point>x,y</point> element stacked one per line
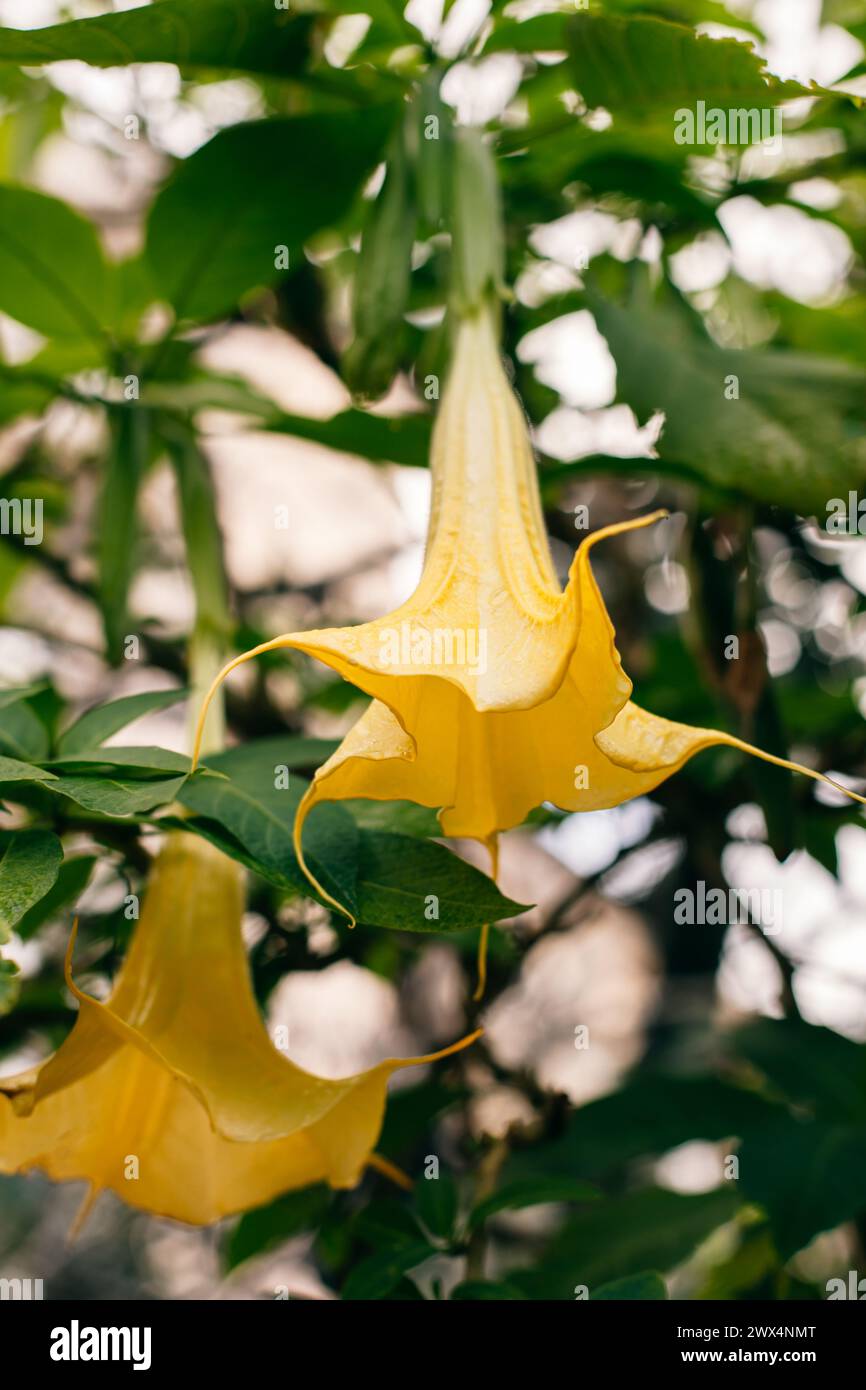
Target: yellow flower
<point>172,1094</point>
<point>493,688</point>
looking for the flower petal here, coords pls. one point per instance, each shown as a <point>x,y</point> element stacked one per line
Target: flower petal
<point>172,1093</point>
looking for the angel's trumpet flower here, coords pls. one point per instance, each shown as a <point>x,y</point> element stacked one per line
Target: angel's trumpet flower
<point>172,1093</point>
<point>493,688</point>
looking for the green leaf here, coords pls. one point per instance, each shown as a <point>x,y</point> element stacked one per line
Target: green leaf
<point>21,396</point>
<point>260,815</point>
<point>376,1276</point>
<point>411,1112</point>
<point>811,1067</point>
<point>635,1286</point>
<point>686,11</point>
<point>53,276</point>
<point>385,880</point>
<point>532,1192</point>
<point>203,391</point>
<point>754,1261</point>
<point>382,277</point>
<point>215,229</point>
<point>28,870</point>
<point>22,732</point>
<point>541,33</point>
<point>808,1178</point>
<point>262,1229</point>
<point>432,158</point>
<point>235,34</point>
<point>13,770</point>
<point>398,875</point>
<point>381,438</point>
<point>72,879</point>
<point>548,33</point>
<point>780,444</point>
<point>436,1199</point>
<point>111,796</point>
<point>387,1224</point>
<point>647,68</point>
<point>96,725</point>
<point>656,1113</point>
<point>10,986</point>
<point>626,1235</point>
<point>13,694</point>
<point>107,761</point>
<point>261,756</point>
<point>404,817</point>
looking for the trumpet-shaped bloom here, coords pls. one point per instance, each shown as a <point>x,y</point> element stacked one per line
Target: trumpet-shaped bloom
<point>494,689</point>
<point>171,1093</point>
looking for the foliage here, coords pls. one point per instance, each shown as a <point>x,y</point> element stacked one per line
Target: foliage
<point>326,211</point>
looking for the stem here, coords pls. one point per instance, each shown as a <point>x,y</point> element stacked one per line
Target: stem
<point>206,660</point>
<point>489,1170</point>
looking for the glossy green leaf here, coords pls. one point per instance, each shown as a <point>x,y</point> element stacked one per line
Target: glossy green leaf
<point>813,1068</point>
<point>218,34</point>
<point>382,276</point>
<point>28,870</point>
<point>72,879</point>
<point>648,1228</point>
<point>22,733</point>
<point>217,228</point>
<point>96,725</point>
<point>385,880</point>
<point>376,1276</point>
<point>436,1200</point>
<point>774,442</point>
<point>125,761</point>
<point>402,880</point>
<point>644,67</point>
<point>252,804</point>
<point>291,1215</point>
<point>532,1192</point>
<point>383,439</point>
<point>808,1177</point>
<point>14,770</point>
<point>10,986</point>
<point>53,276</point>
<point>656,1113</point>
<point>387,1224</point>
<point>114,796</point>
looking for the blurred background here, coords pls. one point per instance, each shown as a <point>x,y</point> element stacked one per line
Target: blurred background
<point>644,276</point>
